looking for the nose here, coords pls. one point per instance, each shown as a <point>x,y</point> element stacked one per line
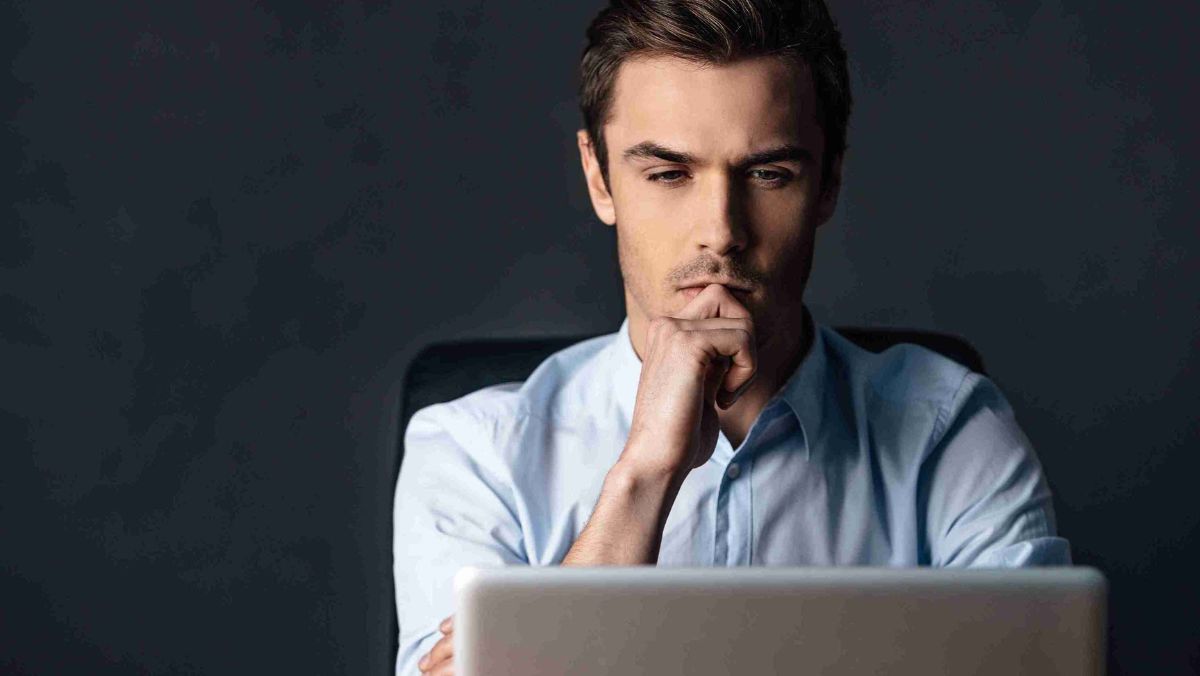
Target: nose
<point>720,226</point>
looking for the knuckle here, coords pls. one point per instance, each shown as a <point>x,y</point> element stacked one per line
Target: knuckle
<point>745,344</point>
<point>689,338</point>
<point>690,343</point>
<point>660,326</point>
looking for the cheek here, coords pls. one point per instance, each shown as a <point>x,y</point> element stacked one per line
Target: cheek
<point>654,211</point>
<point>792,253</point>
<point>783,226</point>
<point>644,259</point>
<point>782,209</point>
<point>650,232</point>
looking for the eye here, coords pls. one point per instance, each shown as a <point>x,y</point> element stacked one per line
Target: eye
<point>667,177</point>
<point>771,176</point>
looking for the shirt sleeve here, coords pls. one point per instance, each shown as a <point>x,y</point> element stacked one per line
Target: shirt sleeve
<point>453,507</point>
<point>988,503</point>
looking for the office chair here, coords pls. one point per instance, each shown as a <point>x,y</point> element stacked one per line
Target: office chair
<point>445,371</point>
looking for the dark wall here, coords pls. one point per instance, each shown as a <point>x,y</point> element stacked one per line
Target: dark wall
<point>231,227</point>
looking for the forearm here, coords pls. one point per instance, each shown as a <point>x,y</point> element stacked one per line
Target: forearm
<point>626,526</point>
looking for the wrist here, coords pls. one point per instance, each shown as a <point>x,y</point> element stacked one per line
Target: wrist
<point>643,494</point>
<point>626,526</point>
<point>645,467</point>
<point>637,480</point>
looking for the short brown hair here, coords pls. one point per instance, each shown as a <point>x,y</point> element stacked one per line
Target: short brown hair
<point>716,32</point>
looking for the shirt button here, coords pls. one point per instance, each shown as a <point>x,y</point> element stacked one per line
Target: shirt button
<point>733,471</point>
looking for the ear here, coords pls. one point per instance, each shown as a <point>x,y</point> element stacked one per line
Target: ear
<point>831,186</point>
<point>602,201</point>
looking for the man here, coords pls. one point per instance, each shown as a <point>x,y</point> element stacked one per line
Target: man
<point>721,425</point>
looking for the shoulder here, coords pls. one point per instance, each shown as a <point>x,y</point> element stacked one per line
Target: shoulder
<point>489,420</point>
<point>908,392</point>
<point>903,373</point>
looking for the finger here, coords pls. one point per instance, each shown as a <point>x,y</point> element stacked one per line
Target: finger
<point>447,625</point>
<point>715,323</point>
<point>714,301</point>
<point>426,662</point>
<point>738,346</point>
<point>444,669</point>
<point>726,398</point>
<point>442,650</point>
<point>663,327</point>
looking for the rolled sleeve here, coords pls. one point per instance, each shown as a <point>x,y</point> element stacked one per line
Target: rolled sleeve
<point>989,504</point>
<point>453,507</point>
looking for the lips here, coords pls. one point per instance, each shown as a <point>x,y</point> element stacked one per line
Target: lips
<point>692,291</point>
<point>727,285</point>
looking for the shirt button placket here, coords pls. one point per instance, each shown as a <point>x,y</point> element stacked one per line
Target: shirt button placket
<point>737,514</point>
<point>721,526</point>
<point>731,546</point>
<point>720,552</point>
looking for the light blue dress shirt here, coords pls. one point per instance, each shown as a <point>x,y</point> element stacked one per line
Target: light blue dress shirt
<point>902,458</point>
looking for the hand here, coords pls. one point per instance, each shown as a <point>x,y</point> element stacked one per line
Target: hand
<point>704,358</point>
<point>440,660</point>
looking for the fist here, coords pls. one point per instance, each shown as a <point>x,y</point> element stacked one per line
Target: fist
<point>693,363</point>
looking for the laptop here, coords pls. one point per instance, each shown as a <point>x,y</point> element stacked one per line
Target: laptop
<point>544,621</point>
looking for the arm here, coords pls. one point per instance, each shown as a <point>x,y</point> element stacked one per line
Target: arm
<point>693,363</point>
<point>987,498</point>
<point>627,524</point>
<point>452,508</point>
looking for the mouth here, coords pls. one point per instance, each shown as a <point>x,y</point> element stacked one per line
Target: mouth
<point>694,290</point>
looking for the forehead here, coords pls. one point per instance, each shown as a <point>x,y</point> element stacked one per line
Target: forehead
<point>713,108</point>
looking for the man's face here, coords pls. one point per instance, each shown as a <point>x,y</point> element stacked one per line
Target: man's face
<point>715,175</point>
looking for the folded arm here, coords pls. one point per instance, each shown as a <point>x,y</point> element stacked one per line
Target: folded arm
<point>451,509</point>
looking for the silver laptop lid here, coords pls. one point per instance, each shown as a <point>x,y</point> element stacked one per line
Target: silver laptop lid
<point>844,620</point>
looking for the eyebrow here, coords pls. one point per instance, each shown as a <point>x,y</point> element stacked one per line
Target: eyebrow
<point>652,150</point>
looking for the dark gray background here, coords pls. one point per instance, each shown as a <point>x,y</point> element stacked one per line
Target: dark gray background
<point>233,224</point>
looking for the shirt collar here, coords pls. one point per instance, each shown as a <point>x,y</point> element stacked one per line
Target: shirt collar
<point>627,371</point>
<point>803,391</point>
